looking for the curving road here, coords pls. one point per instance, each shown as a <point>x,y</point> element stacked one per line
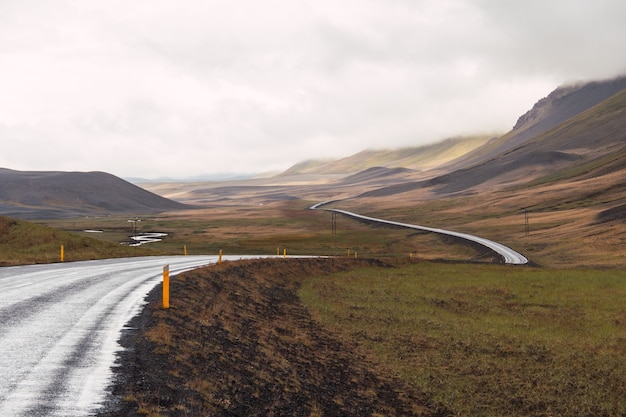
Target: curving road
<point>508,255</point>
<point>59,326</point>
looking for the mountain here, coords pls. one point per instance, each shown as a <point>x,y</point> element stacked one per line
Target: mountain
<point>574,127</point>
<point>563,104</point>
<point>52,194</point>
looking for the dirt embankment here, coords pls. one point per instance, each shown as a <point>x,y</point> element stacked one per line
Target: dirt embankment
<point>238,342</point>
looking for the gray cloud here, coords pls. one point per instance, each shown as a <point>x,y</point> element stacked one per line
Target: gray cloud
<point>157,88</point>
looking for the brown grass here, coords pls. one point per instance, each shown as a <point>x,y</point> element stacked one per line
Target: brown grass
<point>237,341</point>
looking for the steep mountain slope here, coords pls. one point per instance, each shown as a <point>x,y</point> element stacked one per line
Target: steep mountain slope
<point>516,158</point>
<point>48,194</point>
<point>592,134</point>
<point>562,104</point>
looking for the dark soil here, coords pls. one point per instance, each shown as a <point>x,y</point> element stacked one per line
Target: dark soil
<point>237,341</point>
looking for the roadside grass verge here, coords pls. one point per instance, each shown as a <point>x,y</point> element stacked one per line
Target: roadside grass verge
<point>23,242</point>
<point>486,340</point>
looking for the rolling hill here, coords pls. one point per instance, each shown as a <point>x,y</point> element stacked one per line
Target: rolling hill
<point>416,158</point>
<point>50,194</point>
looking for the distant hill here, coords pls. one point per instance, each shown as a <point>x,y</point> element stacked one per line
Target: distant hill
<point>50,194</point>
<point>415,158</point>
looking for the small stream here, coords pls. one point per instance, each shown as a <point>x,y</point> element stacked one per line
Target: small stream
<point>144,238</point>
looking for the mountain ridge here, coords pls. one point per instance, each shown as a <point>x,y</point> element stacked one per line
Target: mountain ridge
<point>562,104</point>
<point>589,136</point>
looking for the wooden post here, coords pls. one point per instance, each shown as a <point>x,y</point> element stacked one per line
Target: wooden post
<point>219,260</point>
<point>166,286</point>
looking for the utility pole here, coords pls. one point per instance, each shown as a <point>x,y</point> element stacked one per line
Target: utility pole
<point>527,226</point>
<point>134,222</point>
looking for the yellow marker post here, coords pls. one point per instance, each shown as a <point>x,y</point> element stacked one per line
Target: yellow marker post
<point>166,286</point>
<point>219,260</point>
<point>185,249</point>
<point>348,253</point>
<point>285,253</point>
<point>62,253</point>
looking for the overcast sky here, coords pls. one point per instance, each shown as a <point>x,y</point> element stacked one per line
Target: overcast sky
<point>164,88</point>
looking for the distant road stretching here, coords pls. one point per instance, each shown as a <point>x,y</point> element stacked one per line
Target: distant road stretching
<point>509,255</point>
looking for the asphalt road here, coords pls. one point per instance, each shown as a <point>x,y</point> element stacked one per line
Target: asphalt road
<point>508,255</point>
<point>59,326</point>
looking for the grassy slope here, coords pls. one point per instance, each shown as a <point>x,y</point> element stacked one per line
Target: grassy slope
<point>23,242</point>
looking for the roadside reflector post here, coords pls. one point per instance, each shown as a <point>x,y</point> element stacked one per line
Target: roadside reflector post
<point>185,249</point>
<point>219,260</point>
<point>285,253</point>
<point>348,253</point>
<point>62,255</point>
<point>166,286</point>
<point>355,254</point>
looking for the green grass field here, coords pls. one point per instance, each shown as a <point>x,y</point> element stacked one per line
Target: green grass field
<point>488,340</point>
